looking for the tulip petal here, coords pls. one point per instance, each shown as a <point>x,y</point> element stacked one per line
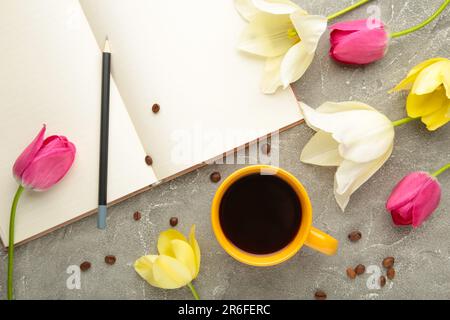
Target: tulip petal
<point>363,135</point>
<point>271,80</point>
<point>364,145</point>
<point>194,244</point>
<point>185,254</point>
<point>53,142</point>
<point>50,165</point>
<point>298,59</point>
<point>426,202</point>
<point>321,150</point>
<point>336,36</point>
<point>246,9</point>
<point>446,79</point>
<point>170,273</point>
<point>438,118</point>
<point>351,175</point>
<point>277,6</point>
<point>430,78</point>
<point>28,155</point>
<point>144,267</point>
<point>308,112</point>
<point>295,63</point>
<point>426,104</point>
<point>267,35</point>
<point>403,215</point>
<point>165,241</point>
<point>408,82</point>
<point>334,107</point>
<point>327,116</point>
<point>355,25</point>
<point>310,28</point>
<point>418,68</point>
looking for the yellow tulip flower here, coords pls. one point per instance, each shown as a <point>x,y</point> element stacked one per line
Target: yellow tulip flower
<point>177,264</point>
<point>282,33</point>
<point>429,98</point>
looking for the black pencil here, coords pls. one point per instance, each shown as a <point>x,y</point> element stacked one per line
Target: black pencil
<point>104,135</point>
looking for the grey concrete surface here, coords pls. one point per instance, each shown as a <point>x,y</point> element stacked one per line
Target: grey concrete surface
<point>422,256</point>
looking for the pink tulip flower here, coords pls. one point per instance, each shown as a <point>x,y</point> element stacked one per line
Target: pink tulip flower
<point>44,162</point>
<point>414,199</point>
<point>40,166</point>
<point>358,42</point>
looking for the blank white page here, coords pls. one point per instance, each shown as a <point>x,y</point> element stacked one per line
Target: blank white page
<point>182,55</point>
<point>51,73</point>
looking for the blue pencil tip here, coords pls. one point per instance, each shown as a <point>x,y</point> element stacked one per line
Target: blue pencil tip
<point>101,219</point>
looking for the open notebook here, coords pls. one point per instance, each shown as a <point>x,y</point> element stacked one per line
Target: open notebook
<point>180,54</point>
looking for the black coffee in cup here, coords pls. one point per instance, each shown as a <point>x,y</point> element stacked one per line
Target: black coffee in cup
<point>260,214</point>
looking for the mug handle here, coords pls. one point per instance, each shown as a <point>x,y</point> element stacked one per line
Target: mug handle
<point>322,242</point>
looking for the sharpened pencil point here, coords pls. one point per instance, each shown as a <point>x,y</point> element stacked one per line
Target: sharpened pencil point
<point>107,48</point>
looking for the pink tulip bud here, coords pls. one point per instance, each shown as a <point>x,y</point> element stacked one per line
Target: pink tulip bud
<point>44,162</point>
<point>359,41</point>
<point>414,199</point>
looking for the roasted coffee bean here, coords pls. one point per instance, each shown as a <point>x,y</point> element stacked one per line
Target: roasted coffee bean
<point>137,216</point>
<point>382,281</point>
<point>360,269</point>
<point>110,260</point>
<point>354,236</point>
<point>173,221</point>
<point>351,273</point>
<point>215,177</point>
<point>156,108</point>
<point>320,295</point>
<point>390,273</point>
<point>148,160</point>
<point>265,148</point>
<point>388,262</point>
<point>85,266</point>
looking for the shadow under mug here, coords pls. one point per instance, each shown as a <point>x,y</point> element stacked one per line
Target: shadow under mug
<point>306,235</point>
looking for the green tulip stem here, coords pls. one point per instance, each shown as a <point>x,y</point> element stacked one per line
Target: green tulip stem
<point>424,23</point>
<point>402,121</point>
<point>441,170</point>
<point>194,292</point>
<point>11,242</point>
<point>348,9</point>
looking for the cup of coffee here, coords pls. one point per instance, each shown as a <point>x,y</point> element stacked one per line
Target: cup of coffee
<point>262,216</point>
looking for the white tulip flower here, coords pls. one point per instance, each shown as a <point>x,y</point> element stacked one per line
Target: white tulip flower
<point>283,33</point>
<point>352,136</point>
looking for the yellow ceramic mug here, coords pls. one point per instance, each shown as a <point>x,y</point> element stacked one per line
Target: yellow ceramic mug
<point>306,234</point>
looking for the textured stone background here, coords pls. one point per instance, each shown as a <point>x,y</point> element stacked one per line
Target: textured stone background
<point>422,256</point>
